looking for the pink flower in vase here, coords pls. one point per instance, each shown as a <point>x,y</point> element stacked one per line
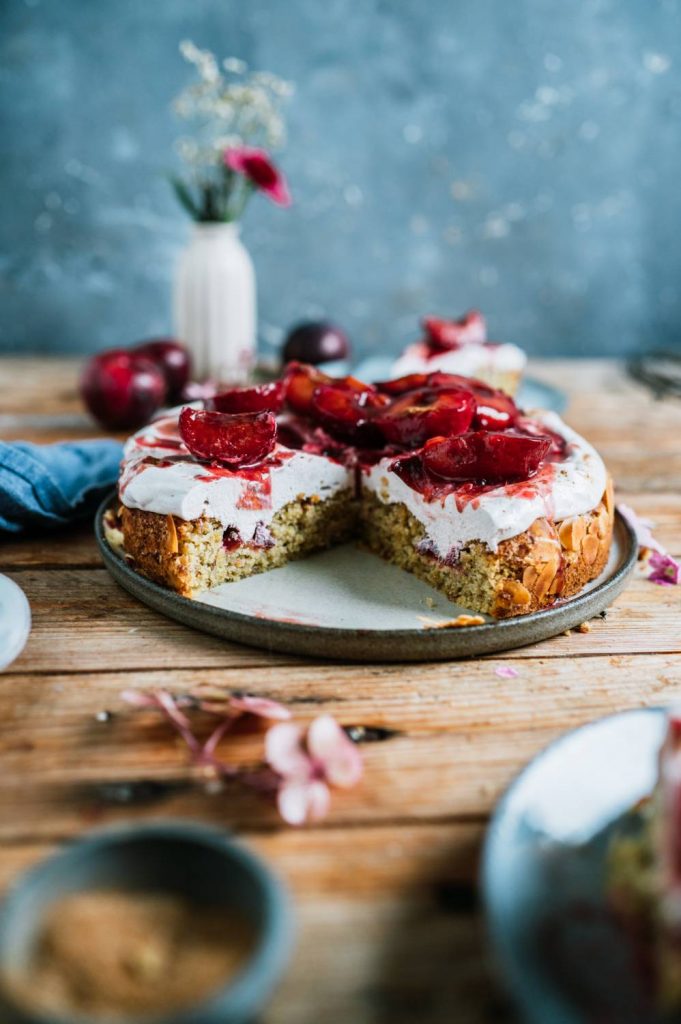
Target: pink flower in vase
<point>261,172</point>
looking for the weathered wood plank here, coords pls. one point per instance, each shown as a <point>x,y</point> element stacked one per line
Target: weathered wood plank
<point>40,386</point>
<point>460,734</point>
<point>73,547</point>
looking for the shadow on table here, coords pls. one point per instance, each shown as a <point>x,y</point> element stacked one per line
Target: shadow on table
<point>436,967</point>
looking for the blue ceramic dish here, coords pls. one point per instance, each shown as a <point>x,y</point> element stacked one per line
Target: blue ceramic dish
<point>199,863</point>
<point>544,878</point>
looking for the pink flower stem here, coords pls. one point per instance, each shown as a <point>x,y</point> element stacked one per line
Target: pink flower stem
<point>211,744</point>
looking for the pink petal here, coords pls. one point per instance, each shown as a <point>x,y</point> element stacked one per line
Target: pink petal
<point>159,699</point>
<point>139,699</point>
<point>338,756</point>
<point>506,672</point>
<point>279,193</point>
<point>642,529</point>
<point>285,754</point>
<point>260,706</point>
<point>257,165</point>
<point>665,569</point>
<point>298,801</point>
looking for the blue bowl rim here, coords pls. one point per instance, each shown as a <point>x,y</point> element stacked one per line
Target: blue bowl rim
<point>249,990</point>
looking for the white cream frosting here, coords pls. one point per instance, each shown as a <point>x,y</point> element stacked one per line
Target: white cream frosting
<point>239,499</point>
<point>467,360</point>
<point>245,499</point>
<point>559,490</point>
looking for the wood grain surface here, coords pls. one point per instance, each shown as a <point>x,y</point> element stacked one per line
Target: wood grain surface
<point>389,923</point>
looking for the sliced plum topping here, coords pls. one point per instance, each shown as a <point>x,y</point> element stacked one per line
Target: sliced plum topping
<point>470,329</point>
<point>417,415</point>
<point>559,444</point>
<point>417,381</point>
<point>495,410</point>
<point>238,440</point>
<point>485,456</point>
<point>348,412</point>
<point>401,385</point>
<point>259,398</point>
<point>300,382</point>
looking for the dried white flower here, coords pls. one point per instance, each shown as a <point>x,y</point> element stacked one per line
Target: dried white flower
<point>225,106</point>
<point>234,65</point>
<point>246,110</point>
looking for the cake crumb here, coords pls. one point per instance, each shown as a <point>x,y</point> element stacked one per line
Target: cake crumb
<point>457,623</point>
<point>584,627</point>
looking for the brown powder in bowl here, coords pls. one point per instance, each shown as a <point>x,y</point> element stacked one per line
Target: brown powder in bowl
<point>122,953</point>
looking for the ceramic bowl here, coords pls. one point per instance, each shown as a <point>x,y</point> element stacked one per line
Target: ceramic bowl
<point>196,862</point>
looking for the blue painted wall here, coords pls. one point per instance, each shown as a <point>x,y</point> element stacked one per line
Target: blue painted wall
<point>523,156</point>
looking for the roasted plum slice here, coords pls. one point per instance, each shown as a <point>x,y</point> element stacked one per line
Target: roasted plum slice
<point>258,398</point>
<point>238,440</point>
<point>495,409</point>
<point>300,381</point>
<point>346,410</point>
<point>484,455</point>
<point>417,415</point>
<point>469,329</point>
<point>418,381</point>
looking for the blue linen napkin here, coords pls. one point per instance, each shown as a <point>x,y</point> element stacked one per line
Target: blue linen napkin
<point>51,485</point>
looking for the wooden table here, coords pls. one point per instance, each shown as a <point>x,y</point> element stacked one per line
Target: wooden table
<point>389,927</point>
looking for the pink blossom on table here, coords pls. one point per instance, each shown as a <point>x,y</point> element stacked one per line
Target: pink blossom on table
<point>642,529</point>
<point>301,766</point>
<point>162,700</point>
<point>506,672</point>
<point>308,765</point>
<point>257,166</point>
<point>233,706</point>
<point>262,707</point>
<point>665,569</point>
<point>219,701</point>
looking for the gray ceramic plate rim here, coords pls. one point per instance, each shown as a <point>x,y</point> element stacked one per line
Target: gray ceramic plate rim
<point>372,645</point>
<point>512,969</point>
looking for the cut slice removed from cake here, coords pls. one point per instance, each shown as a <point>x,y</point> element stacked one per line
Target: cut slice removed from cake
<point>461,347</point>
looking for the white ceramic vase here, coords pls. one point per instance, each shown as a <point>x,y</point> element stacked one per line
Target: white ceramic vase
<point>215,303</point>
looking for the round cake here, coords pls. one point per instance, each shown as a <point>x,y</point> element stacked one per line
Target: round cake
<point>504,511</point>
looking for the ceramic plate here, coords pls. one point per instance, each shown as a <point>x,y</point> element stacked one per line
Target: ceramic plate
<point>544,872</point>
<point>15,621</point>
<point>533,394</point>
<point>349,604</point>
